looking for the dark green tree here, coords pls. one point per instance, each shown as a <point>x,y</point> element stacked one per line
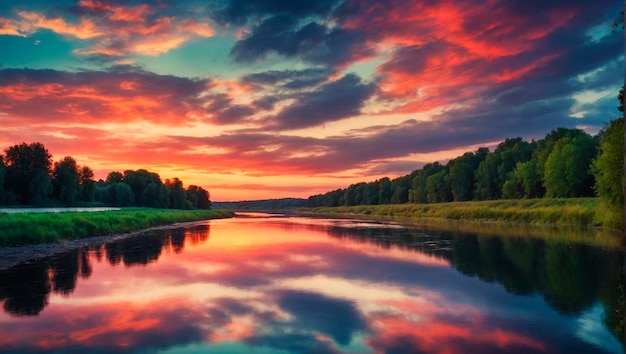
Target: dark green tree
<point>138,181</point>
<point>66,180</point>
<point>178,196</point>
<point>122,194</point>
<point>87,185</point>
<point>28,172</point>
<point>567,169</point>
<point>114,177</point>
<point>3,193</point>
<point>438,187</point>
<point>461,174</point>
<point>419,192</point>
<point>385,191</point>
<point>608,169</point>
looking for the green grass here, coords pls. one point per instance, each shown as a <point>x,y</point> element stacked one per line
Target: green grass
<point>578,212</point>
<point>32,228</point>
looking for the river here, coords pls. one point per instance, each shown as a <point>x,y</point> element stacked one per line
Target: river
<point>271,284</point>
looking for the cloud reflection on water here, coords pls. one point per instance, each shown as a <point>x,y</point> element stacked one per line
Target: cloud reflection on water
<point>279,285</point>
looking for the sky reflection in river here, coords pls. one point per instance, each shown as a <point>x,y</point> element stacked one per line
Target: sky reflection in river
<point>275,285</point>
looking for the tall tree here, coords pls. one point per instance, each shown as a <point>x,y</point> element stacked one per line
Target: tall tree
<point>608,168</point>
<point>178,196</point>
<point>567,171</point>
<point>28,172</point>
<point>418,192</point>
<point>65,180</point>
<point>461,174</point>
<point>87,185</point>
<point>438,187</point>
<point>3,193</point>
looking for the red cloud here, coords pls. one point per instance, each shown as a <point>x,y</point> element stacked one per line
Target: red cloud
<point>446,52</point>
<point>90,97</point>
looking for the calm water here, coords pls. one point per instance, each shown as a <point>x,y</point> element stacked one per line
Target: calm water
<point>300,285</point>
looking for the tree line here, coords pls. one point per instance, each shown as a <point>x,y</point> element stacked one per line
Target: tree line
<point>565,163</point>
<point>28,176</point>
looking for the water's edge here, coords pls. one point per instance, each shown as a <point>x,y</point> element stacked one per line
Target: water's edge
<point>12,256</point>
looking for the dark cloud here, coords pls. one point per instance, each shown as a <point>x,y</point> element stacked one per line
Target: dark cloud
<point>337,318</point>
<point>285,35</point>
<point>265,103</point>
<point>330,102</point>
<point>289,79</point>
<point>239,11</point>
<point>224,112</point>
<point>278,34</point>
<point>340,47</point>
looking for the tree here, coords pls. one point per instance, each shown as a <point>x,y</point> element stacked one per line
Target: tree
<point>384,191</point>
<point>418,192</point>
<point>438,187</point>
<point>608,168</point>
<point>65,180</point>
<point>462,171</point>
<point>3,193</point>
<point>87,186</point>
<point>567,171</point>
<point>122,194</point>
<point>138,181</point>
<point>178,196</point>
<point>198,197</point>
<point>28,172</point>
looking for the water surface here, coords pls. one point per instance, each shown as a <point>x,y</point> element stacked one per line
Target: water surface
<point>302,285</point>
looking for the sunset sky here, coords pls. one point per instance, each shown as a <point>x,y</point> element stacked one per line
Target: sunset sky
<point>280,98</point>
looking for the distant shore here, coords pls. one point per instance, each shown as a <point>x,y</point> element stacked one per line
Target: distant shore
<point>571,212</point>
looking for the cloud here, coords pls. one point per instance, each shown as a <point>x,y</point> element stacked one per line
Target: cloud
<point>335,317</point>
<point>109,29</point>
<point>239,11</point>
<point>277,34</point>
<point>318,44</point>
<point>120,94</point>
<point>332,101</point>
<point>224,111</point>
<point>289,79</point>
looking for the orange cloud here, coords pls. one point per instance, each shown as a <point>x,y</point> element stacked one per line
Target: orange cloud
<point>30,22</point>
<point>113,30</point>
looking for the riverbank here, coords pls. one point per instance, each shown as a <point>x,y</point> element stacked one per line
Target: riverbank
<point>36,228</point>
<point>571,212</point>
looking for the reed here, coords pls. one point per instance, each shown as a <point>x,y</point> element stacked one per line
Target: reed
<point>32,228</point>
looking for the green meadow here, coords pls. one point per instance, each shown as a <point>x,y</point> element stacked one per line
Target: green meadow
<point>32,228</point>
<point>575,212</point>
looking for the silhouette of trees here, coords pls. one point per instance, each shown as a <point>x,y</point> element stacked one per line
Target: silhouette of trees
<point>65,180</point>
<point>28,176</point>
<point>28,172</point>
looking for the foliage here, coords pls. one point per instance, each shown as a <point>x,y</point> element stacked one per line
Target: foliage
<point>461,174</point>
<point>608,168</point>
<point>567,171</point>
<point>516,168</point>
<point>65,180</point>
<point>28,172</point>
<point>31,228</point>
<point>28,177</point>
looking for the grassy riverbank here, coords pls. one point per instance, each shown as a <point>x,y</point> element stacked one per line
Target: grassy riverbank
<point>32,228</point>
<point>577,212</point>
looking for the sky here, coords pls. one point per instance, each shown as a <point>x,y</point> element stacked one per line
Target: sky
<point>279,98</point>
